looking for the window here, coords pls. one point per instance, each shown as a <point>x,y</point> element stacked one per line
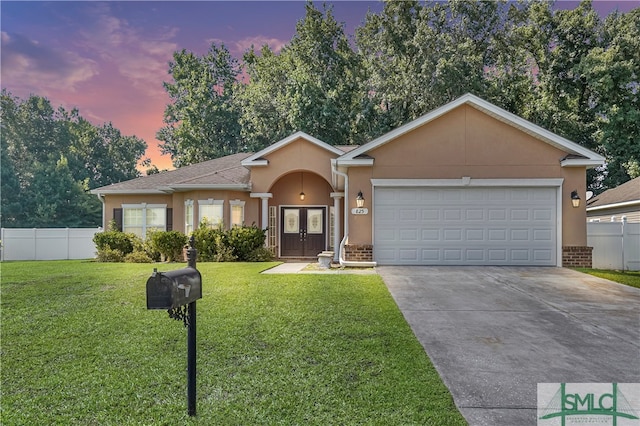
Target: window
<point>140,219</point>
<point>188,217</point>
<point>272,229</point>
<point>211,211</point>
<point>332,226</point>
<point>237,212</point>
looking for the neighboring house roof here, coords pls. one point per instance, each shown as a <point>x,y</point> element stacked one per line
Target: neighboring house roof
<point>627,194</point>
<point>578,155</point>
<point>220,173</point>
<point>258,159</point>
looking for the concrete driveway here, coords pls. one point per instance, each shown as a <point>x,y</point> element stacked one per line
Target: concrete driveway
<point>494,333</point>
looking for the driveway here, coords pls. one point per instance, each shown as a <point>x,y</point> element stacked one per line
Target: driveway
<point>494,333</point>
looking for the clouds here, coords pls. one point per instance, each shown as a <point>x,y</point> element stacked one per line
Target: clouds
<point>139,55</point>
<point>28,63</point>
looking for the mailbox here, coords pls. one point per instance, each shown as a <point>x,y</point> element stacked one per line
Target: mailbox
<point>169,290</point>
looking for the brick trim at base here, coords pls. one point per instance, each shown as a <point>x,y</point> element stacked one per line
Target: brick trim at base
<point>358,252</point>
<point>577,256</point>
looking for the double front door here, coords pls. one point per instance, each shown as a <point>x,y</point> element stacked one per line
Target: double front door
<point>302,231</point>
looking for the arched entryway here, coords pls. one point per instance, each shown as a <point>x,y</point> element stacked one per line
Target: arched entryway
<point>304,208</point>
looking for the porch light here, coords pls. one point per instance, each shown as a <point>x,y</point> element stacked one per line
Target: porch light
<point>575,199</point>
<point>360,200</point>
<point>302,186</point>
<point>302,196</point>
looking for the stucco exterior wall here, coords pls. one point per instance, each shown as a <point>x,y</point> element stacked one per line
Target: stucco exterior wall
<point>286,191</point>
<point>574,229</point>
<point>468,142</point>
<point>176,202</point>
<point>116,201</point>
<point>296,156</point>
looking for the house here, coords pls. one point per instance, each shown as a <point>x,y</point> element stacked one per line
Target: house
<point>614,204</point>
<point>466,184</point>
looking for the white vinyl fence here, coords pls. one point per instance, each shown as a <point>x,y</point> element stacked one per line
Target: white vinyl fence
<point>48,243</point>
<point>616,245</point>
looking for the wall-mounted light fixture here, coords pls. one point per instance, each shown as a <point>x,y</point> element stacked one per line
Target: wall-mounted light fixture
<point>301,186</point>
<point>359,200</point>
<point>575,199</point>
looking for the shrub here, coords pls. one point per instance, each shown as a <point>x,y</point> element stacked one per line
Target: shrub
<point>114,240</point>
<point>261,254</point>
<point>206,242</point>
<point>169,244</point>
<point>138,257</point>
<point>224,253</point>
<point>243,243</point>
<point>244,240</point>
<point>107,254</point>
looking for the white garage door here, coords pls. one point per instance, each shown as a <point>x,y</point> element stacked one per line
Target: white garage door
<point>465,226</point>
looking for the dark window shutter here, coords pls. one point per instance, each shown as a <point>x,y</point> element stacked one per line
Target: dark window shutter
<point>169,219</point>
<point>117,217</point>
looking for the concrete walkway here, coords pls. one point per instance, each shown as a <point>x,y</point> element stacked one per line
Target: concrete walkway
<point>314,268</point>
<point>494,333</point>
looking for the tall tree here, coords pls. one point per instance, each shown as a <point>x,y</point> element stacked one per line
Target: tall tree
<point>311,85</point>
<point>562,40</point>
<point>421,56</point>
<point>102,154</point>
<point>51,158</point>
<point>613,75</point>
<point>202,121</point>
<point>55,198</point>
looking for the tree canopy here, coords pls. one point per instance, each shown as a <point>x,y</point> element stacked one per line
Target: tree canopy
<point>51,158</point>
<point>568,71</point>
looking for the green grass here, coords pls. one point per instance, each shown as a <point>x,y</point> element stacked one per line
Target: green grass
<point>80,348</point>
<point>630,278</point>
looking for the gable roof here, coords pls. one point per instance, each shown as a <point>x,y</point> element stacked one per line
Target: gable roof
<point>626,194</point>
<point>220,173</point>
<point>578,155</point>
<point>258,159</point>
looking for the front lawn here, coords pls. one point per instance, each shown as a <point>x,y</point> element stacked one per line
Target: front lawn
<point>80,348</point>
<point>630,278</point>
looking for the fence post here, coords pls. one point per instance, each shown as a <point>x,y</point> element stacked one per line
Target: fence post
<point>624,221</point>
<point>35,244</point>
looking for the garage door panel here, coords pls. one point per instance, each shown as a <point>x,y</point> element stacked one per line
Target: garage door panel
<point>430,254</point>
<point>475,255</point>
<point>542,255</point>
<point>408,235</point>
<point>543,215</point>
<point>542,235</point>
<point>458,226</point>
<point>430,234</point>
<point>409,255</point>
<point>497,214</point>
<point>475,235</point>
<point>474,214</point>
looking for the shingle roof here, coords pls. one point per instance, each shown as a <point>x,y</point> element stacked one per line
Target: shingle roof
<point>223,172</point>
<point>628,191</point>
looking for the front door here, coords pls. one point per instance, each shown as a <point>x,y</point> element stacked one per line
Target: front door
<point>302,231</point>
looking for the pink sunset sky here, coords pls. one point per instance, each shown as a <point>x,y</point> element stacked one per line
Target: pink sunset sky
<point>109,59</point>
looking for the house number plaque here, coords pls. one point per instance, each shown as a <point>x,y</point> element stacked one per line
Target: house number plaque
<point>360,210</point>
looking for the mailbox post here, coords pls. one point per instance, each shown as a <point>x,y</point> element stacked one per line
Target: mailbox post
<point>175,291</point>
<point>191,337</point>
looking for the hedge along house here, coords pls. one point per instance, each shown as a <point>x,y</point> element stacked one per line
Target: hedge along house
<point>467,184</point>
